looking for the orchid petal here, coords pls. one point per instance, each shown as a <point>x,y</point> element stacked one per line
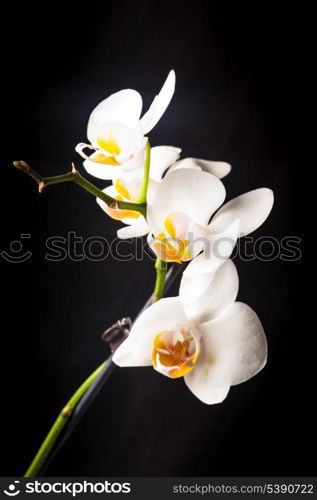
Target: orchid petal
<point>127,189</point>
<point>159,105</point>
<point>135,230</point>
<point>234,347</point>
<point>218,247</point>
<point>218,168</point>
<point>192,192</point>
<point>136,350</point>
<point>151,190</point>
<point>207,296</point>
<point>101,170</point>
<point>182,164</point>
<point>124,107</point>
<point>133,168</point>
<point>201,387</point>
<point>250,208</point>
<point>161,158</point>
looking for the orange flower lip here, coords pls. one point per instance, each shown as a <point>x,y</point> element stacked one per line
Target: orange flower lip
<point>171,252</point>
<point>175,352</point>
<point>127,191</point>
<point>173,245</point>
<point>120,213</point>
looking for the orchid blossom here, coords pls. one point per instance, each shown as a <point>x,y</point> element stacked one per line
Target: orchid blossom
<point>202,335</point>
<point>178,219</point>
<point>180,213</point>
<point>117,134</point>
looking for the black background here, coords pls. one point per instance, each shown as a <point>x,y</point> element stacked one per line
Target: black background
<point>241,84</point>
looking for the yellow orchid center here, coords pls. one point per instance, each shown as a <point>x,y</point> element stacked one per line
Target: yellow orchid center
<point>173,244</point>
<point>175,352</point>
<point>109,145</point>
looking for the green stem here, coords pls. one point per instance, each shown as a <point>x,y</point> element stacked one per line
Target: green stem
<point>60,423</point>
<point>74,176</point>
<point>161,268</point>
<point>142,198</point>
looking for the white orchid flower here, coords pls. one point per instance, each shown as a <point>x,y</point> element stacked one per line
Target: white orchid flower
<point>202,335</point>
<point>179,215</point>
<point>117,134</point>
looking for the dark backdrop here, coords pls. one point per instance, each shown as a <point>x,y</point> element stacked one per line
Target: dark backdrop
<point>239,98</point>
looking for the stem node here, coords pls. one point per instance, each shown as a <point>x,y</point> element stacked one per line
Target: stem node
<point>66,412</point>
<point>74,169</point>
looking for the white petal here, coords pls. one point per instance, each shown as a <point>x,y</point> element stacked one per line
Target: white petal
<point>192,192</point>
<point>207,296</point>
<point>101,170</point>
<point>159,105</point>
<point>200,386</point>
<point>251,208</point>
<point>234,346</point>
<point>161,158</point>
<point>130,221</point>
<point>135,230</point>
<point>218,248</point>
<point>133,168</point>
<point>129,140</point>
<point>133,143</point>
<point>124,107</point>
<point>218,168</point>
<point>151,190</point>
<point>137,349</point>
<point>183,164</point>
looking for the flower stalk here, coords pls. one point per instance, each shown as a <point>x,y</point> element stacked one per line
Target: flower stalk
<point>142,198</point>
<point>59,424</point>
<point>161,268</point>
<point>77,178</point>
